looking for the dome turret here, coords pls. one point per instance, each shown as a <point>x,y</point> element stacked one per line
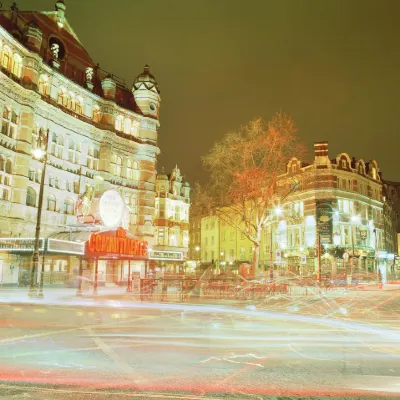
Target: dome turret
<point>147,79</point>
<point>147,93</point>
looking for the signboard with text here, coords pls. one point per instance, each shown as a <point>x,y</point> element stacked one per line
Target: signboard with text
<point>166,255</point>
<point>324,221</point>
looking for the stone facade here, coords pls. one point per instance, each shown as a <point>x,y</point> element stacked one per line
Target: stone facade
<point>171,218</point>
<point>95,127</point>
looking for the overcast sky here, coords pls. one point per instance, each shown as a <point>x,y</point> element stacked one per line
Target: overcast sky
<point>334,65</point>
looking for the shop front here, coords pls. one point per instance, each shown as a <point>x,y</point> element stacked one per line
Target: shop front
<point>90,258</point>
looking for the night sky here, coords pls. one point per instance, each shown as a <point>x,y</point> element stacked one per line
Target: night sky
<point>334,65</point>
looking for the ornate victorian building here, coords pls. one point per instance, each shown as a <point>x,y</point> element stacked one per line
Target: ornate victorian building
<point>171,232</point>
<point>94,125</point>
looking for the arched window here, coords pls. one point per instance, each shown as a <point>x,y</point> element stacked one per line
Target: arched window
<point>129,173</point>
<point>5,60</point>
<point>118,166</point>
<point>135,165</point>
<point>127,126</point>
<point>135,128</point>
<point>17,65</point>
<point>9,124</point>
<point>31,197</point>
<point>118,122</point>
<point>51,202</point>
<point>1,163</point>
<point>96,113</point>
<point>76,103</point>
<point>69,206</point>
<point>9,166</point>
<point>43,84</point>
<point>61,95</point>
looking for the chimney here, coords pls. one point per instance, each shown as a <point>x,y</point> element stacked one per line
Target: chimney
<point>321,153</point>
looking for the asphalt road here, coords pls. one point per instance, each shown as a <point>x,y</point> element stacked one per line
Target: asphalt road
<point>199,351</point>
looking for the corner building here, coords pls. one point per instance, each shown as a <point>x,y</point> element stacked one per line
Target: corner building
<point>96,127</point>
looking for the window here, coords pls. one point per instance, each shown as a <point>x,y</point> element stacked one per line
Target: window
<point>118,122</point>
<point>31,197</point>
<point>16,65</point>
<point>51,202</point>
<point>9,124</point>
<point>43,85</point>
<point>5,61</point>
<point>223,236</point>
<point>64,98</point>
<point>74,152</point>
<point>57,146</point>
<point>129,173</point>
<point>76,103</point>
<point>344,163</point>
<point>93,158</point>
<point>69,206</point>
<point>96,114</point>
<point>9,166</point>
<point>212,240</point>
<point>232,235</point>
<point>127,126</point>
<point>118,166</point>
<point>1,163</point>
<point>135,128</point>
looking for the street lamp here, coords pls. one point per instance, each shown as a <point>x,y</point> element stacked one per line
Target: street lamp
<point>39,153</point>
<point>355,220</point>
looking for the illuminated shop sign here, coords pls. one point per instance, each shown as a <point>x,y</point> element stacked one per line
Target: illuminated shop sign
<point>20,245</point>
<point>166,255</point>
<point>115,242</point>
<point>65,246</point>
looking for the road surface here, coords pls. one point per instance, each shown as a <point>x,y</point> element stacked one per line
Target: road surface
<point>200,351</point>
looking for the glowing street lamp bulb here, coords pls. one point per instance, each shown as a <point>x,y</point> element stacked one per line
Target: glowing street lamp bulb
<point>355,218</point>
<point>278,211</point>
<point>301,248</point>
<point>38,153</point>
<point>222,253</point>
<point>197,248</point>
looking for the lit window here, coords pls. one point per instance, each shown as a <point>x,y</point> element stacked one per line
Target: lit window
<point>5,61</point>
<point>51,202</point>
<point>44,84</point>
<point>118,123</point>
<point>96,113</point>
<point>69,206</point>
<point>135,128</point>
<point>9,125</point>
<point>127,125</point>
<point>17,65</point>
<point>129,172</point>
<point>31,197</point>
<point>344,164</point>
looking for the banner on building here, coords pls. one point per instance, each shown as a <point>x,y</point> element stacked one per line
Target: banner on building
<point>324,220</point>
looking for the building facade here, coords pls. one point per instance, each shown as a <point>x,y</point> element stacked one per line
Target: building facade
<point>171,221</point>
<point>341,203</point>
<point>94,126</point>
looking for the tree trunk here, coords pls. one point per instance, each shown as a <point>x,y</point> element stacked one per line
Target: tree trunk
<point>256,258</point>
<point>256,254</point>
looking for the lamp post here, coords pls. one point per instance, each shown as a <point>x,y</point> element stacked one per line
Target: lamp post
<point>355,219</point>
<point>39,153</point>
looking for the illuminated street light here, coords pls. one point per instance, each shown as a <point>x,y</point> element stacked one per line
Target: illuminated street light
<point>39,153</point>
<point>278,211</point>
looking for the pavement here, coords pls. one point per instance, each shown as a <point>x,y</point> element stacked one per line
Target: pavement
<point>338,344</point>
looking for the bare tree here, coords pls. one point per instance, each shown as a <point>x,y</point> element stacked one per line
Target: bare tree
<point>244,169</point>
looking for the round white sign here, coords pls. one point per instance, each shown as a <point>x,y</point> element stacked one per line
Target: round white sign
<point>111,208</point>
